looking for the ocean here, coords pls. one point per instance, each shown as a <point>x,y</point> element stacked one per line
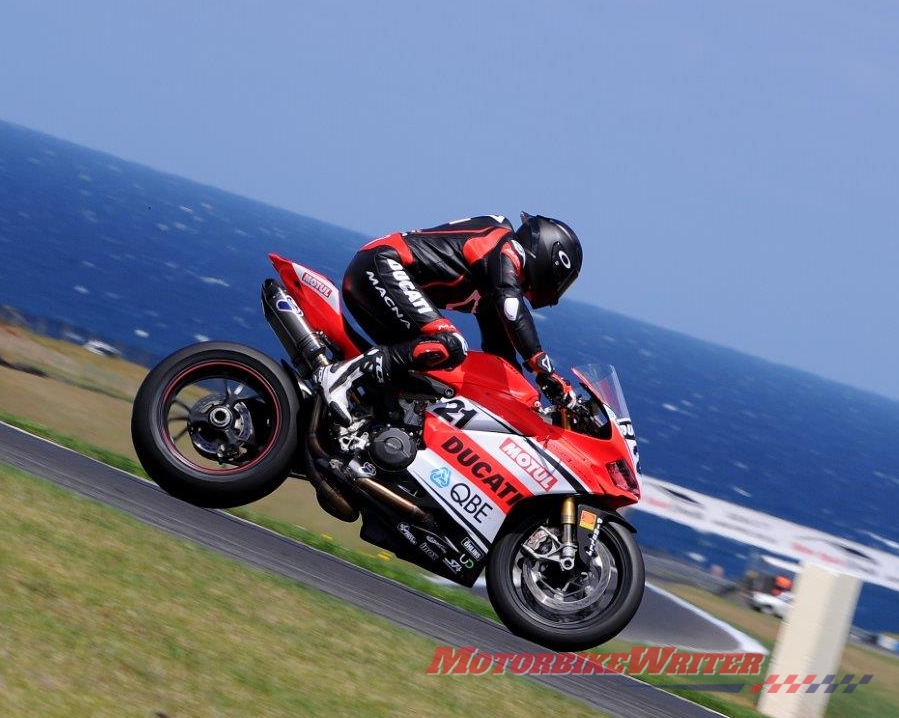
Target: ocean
<point>103,248</point>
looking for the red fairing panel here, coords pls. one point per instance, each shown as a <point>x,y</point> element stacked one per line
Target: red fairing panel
<point>497,386</point>
<point>587,457</point>
<point>493,384</point>
<point>319,299</point>
<point>464,455</point>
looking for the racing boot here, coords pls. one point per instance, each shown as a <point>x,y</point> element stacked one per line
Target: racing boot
<point>442,350</point>
<point>337,380</point>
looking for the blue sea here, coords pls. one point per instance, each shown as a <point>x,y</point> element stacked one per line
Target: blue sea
<point>103,248</point>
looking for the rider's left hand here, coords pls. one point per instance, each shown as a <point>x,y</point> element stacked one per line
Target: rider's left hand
<point>553,384</point>
<point>557,390</point>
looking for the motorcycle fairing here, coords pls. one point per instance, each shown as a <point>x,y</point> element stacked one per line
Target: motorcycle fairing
<point>478,475</point>
<point>320,300</point>
<point>493,418</point>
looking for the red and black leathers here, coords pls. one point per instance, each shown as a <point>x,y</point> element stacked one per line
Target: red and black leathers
<point>396,285</point>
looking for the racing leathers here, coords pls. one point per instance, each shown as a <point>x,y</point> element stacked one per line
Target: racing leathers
<point>396,285</point>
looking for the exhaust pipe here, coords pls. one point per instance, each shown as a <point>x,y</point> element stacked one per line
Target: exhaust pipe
<point>330,498</point>
<point>302,343</point>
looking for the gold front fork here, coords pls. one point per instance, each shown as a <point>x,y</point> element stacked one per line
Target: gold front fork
<point>569,548</point>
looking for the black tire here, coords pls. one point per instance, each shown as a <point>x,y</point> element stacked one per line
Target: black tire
<point>224,488</point>
<point>560,636</point>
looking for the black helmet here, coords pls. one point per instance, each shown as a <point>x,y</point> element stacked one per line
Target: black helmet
<point>553,258</point>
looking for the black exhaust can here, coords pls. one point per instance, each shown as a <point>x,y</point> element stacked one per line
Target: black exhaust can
<point>303,344</point>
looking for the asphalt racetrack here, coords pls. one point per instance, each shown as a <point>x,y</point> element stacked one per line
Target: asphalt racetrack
<point>616,694</point>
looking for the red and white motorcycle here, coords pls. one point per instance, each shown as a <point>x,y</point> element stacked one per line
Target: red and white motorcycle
<point>452,470</point>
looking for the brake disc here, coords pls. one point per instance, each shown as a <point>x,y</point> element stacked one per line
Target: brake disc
<point>219,429</point>
<point>590,584</point>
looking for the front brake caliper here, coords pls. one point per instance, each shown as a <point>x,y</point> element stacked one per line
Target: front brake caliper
<point>537,539</point>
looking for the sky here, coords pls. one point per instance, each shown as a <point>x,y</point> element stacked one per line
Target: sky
<point>731,167</point>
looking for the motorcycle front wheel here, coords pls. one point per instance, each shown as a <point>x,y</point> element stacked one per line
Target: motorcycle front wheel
<point>215,424</point>
<point>564,610</point>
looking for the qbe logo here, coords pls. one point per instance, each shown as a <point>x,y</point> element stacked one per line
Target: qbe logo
<point>440,477</point>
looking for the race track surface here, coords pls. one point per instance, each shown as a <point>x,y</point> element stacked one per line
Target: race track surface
<point>254,545</point>
<point>665,620</point>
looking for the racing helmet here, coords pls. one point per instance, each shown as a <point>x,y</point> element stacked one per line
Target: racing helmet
<point>553,258</point>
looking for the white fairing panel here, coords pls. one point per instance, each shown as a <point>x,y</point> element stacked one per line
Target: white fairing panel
<point>480,468</point>
<point>464,501</point>
<point>319,284</point>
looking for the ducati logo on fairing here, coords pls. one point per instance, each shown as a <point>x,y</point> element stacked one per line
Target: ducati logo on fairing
<point>481,470</point>
<point>532,466</point>
<point>387,299</point>
<point>416,298</point>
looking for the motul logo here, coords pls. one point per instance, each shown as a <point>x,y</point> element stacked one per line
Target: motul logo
<point>317,284</point>
<point>531,465</point>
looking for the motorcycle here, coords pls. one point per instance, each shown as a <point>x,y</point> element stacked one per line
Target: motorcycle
<point>456,471</point>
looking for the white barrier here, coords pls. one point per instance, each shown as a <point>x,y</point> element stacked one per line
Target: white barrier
<point>811,641</point>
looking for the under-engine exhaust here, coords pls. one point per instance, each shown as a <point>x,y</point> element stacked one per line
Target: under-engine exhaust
<point>303,344</point>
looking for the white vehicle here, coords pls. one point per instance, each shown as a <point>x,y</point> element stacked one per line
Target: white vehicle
<point>771,605</point>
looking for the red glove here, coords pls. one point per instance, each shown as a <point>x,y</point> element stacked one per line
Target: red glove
<point>553,384</point>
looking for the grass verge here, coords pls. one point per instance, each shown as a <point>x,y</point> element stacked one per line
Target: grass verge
<point>101,615</point>
<point>879,698</point>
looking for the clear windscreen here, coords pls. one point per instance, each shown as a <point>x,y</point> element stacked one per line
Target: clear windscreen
<point>602,382</point>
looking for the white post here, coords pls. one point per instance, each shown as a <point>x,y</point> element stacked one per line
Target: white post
<point>811,641</point>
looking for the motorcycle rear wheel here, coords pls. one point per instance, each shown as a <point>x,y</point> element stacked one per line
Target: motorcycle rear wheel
<point>565,611</point>
<point>215,424</point>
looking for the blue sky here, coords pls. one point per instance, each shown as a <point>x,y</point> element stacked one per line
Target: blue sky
<point>732,167</point>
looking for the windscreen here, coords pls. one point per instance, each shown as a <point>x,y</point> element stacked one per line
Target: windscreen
<point>602,381</point>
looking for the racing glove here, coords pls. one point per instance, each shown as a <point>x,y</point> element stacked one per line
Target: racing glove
<point>553,384</point>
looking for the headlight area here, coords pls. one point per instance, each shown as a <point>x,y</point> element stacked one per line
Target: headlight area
<point>623,477</point>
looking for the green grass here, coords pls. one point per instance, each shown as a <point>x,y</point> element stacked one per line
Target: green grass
<point>877,699</point>
<point>384,564</point>
<point>101,615</point>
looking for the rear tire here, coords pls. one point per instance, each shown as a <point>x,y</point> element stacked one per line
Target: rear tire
<point>232,485</point>
<point>522,620</point>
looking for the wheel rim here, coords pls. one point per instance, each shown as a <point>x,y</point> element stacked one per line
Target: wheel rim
<point>219,417</point>
<point>559,598</point>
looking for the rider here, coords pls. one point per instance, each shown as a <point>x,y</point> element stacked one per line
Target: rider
<point>395,285</point>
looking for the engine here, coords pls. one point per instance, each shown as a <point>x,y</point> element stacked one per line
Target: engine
<point>392,449</point>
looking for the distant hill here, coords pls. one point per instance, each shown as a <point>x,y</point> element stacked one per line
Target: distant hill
<point>149,262</point>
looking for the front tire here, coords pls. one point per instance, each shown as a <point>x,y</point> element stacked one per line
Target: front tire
<point>542,616</point>
<point>239,434</point>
